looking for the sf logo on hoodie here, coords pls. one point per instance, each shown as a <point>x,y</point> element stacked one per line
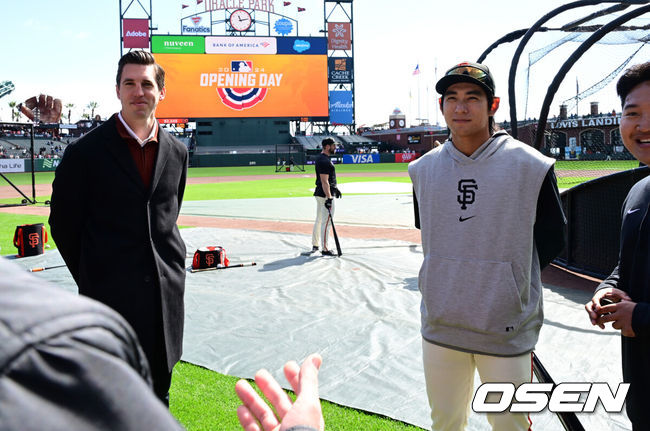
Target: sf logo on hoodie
<point>467,192</point>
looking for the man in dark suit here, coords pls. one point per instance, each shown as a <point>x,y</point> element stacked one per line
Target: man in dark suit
<point>115,200</point>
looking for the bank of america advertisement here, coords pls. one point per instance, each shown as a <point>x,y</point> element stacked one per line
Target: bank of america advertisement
<point>243,85</point>
<point>341,107</point>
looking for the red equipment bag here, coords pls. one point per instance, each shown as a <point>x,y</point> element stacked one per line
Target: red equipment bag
<point>209,257</point>
<point>30,239</point>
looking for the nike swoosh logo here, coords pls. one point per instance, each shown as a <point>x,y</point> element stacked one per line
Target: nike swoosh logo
<point>462,219</point>
<point>633,210</point>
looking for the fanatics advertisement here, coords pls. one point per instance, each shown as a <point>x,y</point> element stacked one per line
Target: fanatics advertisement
<point>135,33</point>
<point>243,85</point>
<point>197,24</point>
<point>340,70</point>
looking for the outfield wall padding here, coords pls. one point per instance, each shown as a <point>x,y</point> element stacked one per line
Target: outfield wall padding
<point>267,159</point>
<point>213,160</point>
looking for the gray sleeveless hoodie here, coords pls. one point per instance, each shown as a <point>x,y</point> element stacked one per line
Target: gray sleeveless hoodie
<point>480,278</point>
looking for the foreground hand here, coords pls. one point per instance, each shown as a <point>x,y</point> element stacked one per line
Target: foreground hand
<point>620,314</point>
<point>49,108</point>
<point>593,307</point>
<point>328,203</point>
<point>256,415</point>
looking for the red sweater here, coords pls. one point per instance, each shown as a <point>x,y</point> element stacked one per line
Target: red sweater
<point>143,156</point>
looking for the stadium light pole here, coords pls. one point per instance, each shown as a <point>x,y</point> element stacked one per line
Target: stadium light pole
<point>555,84</point>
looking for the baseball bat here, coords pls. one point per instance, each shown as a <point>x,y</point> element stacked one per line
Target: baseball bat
<point>45,268</point>
<point>239,265</point>
<point>336,237</point>
<point>569,419</point>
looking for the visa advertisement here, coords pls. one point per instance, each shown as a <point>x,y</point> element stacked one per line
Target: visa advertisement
<point>360,158</point>
<point>243,85</point>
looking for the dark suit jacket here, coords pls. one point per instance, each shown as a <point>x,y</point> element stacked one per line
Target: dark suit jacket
<point>119,240</point>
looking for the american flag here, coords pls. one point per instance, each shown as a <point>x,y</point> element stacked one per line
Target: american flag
<point>417,70</point>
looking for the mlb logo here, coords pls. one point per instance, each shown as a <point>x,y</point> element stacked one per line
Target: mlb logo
<point>241,66</point>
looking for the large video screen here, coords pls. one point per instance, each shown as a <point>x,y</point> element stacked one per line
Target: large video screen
<point>244,85</point>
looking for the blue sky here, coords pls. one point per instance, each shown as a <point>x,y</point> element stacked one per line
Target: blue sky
<point>70,49</point>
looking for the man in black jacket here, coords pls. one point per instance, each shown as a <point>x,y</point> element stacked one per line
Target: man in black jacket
<point>115,201</point>
<point>629,284</point>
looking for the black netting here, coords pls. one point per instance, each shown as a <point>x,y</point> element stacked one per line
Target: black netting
<point>594,222</point>
<point>581,46</point>
<point>571,103</point>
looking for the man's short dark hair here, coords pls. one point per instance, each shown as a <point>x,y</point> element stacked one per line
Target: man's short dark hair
<point>144,58</point>
<point>632,77</point>
<point>327,141</point>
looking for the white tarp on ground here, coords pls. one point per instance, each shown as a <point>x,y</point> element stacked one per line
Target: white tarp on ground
<point>361,313</point>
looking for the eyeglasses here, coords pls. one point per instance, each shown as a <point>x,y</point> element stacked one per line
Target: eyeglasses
<point>468,70</point>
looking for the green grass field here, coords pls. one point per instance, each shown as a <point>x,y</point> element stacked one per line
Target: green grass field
<point>205,400</point>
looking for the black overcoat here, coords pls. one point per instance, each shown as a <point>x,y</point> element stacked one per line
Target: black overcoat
<point>119,240</point>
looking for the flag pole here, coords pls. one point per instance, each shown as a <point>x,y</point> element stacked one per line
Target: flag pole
<point>435,79</point>
<point>419,115</point>
<point>577,91</point>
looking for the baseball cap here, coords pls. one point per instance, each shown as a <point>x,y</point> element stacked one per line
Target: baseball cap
<point>474,73</point>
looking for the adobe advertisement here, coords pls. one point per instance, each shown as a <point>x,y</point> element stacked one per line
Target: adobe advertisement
<point>243,85</point>
<point>135,33</point>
